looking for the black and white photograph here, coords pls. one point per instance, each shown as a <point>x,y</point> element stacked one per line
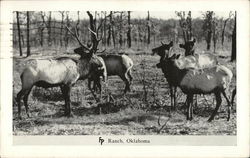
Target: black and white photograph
<point>124,73</point>
<point>124,76</point>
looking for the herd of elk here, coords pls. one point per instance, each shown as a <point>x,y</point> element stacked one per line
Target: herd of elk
<point>193,73</point>
<point>190,60</point>
<point>198,81</point>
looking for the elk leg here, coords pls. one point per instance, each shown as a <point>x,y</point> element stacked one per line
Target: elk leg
<point>91,89</point>
<point>218,103</point>
<point>25,100</point>
<point>229,105</point>
<point>190,106</point>
<point>127,85</point>
<point>130,76</point>
<point>174,96</point>
<point>98,84</point>
<point>233,95</point>
<point>19,96</point>
<point>66,94</point>
<point>171,97</point>
<point>191,112</point>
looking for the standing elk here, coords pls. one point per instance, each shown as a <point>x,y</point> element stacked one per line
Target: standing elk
<point>116,65</point>
<point>62,72</point>
<point>198,81</point>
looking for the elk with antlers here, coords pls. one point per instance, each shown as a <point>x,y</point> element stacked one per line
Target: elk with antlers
<point>62,72</point>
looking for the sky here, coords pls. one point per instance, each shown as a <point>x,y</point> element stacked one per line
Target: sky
<point>141,14</point>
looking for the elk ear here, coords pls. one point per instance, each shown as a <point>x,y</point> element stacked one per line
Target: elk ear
<point>162,43</point>
<point>181,45</point>
<point>173,56</point>
<point>171,43</point>
<point>178,56</point>
<point>79,51</point>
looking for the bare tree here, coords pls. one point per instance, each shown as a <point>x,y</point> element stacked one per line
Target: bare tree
<point>61,29</point>
<point>148,27</point>
<point>19,34</point>
<point>104,41</point>
<point>78,22</point>
<point>121,29</point>
<point>185,23</point>
<point>41,28</point>
<point>66,37</point>
<point>48,25</point>
<point>233,55</point>
<point>224,27</point>
<point>129,30</point>
<point>111,30</point>
<point>208,27</point>
<point>215,32</point>
<point>28,33</point>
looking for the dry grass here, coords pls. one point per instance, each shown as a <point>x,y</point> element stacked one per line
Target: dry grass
<point>136,113</point>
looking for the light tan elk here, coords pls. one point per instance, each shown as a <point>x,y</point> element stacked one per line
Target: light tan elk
<point>198,81</point>
<point>62,72</point>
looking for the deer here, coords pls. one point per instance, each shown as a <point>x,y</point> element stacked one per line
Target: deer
<point>192,81</point>
<point>61,72</point>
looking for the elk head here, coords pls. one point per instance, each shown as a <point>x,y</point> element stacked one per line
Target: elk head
<point>189,47</point>
<point>161,50</point>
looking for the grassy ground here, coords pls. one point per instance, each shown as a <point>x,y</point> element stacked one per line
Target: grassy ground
<point>136,113</point>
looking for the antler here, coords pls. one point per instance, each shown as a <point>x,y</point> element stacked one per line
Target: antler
<point>77,38</point>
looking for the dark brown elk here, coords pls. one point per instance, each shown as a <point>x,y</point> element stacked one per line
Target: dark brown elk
<point>62,72</point>
<point>198,81</point>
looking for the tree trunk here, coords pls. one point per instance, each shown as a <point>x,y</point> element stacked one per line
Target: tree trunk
<point>120,31</point>
<point>233,55</point>
<point>61,30</point>
<point>28,34</point>
<point>104,29</point>
<point>109,29</point>
<point>209,37</point>
<point>223,32</point>
<point>66,37</point>
<point>49,30</point>
<point>78,22</point>
<point>148,28</point>
<point>129,31</point>
<point>19,34</point>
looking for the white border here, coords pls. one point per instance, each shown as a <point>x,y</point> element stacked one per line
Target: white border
<point>242,148</point>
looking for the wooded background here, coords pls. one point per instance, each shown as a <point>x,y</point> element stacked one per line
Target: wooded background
<point>120,30</point>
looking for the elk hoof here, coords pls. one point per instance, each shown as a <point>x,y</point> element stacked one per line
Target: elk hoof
<point>210,120</point>
<point>67,114</point>
<point>19,117</point>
